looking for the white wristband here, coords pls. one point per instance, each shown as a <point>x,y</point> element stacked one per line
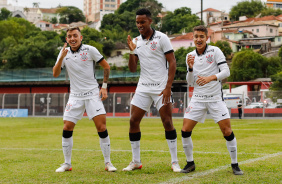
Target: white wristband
<point>132,52</point>
<point>104,85</point>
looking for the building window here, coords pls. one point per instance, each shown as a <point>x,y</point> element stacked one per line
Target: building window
<point>279,39</point>
<point>191,44</point>
<point>271,30</point>
<point>257,30</point>
<point>113,0</point>
<point>107,5</point>
<point>280,24</point>
<point>113,5</point>
<point>107,0</point>
<point>252,30</point>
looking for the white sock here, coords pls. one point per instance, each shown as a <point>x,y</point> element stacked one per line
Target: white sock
<point>188,148</point>
<point>232,148</point>
<point>172,144</point>
<point>135,146</point>
<point>67,144</point>
<point>106,148</point>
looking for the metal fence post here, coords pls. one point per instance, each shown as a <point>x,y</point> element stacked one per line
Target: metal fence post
<point>3,101</point>
<point>114,105</point>
<point>19,101</point>
<point>33,104</point>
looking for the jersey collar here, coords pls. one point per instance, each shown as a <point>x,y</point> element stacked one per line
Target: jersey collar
<point>151,38</point>
<point>203,52</point>
<point>77,49</point>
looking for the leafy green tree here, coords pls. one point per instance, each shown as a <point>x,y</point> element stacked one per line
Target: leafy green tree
<point>70,14</point>
<point>247,8</point>
<point>224,47</point>
<point>36,51</point>
<point>271,11</point>
<point>180,56</point>
<point>54,20</point>
<point>247,65</point>
<point>277,82</point>
<point>274,65</point>
<point>98,46</point>
<point>179,20</point>
<point>5,14</point>
<point>90,34</point>
<point>108,46</point>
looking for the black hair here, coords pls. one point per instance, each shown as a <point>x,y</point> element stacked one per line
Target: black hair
<point>144,11</point>
<point>201,28</point>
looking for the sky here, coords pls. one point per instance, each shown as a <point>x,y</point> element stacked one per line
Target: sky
<point>171,5</point>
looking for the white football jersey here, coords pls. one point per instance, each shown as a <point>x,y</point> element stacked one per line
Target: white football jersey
<point>154,66</point>
<point>81,70</point>
<point>211,62</point>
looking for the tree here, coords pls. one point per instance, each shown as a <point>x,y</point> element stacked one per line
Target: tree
<point>91,34</point>
<point>247,8</point>
<point>271,11</point>
<point>224,47</point>
<point>247,65</point>
<point>274,65</point>
<point>181,20</point>
<point>277,82</point>
<point>54,20</point>
<point>70,14</point>
<point>5,14</point>
<point>37,51</point>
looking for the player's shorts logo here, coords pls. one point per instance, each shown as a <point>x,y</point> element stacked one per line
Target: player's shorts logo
<point>154,46</point>
<point>209,59</point>
<point>188,109</point>
<point>83,57</point>
<point>68,107</point>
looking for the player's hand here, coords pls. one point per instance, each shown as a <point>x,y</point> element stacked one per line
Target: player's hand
<point>203,80</point>
<point>64,51</point>
<point>103,94</point>
<point>190,61</point>
<point>130,43</point>
<point>166,96</point>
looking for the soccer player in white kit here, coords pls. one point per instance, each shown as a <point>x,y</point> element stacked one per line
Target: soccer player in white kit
<point>206,67</point>
<point>158,65</point>
<point>79,60</point>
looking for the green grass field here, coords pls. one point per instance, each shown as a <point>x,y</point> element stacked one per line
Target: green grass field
<point>30,151</point>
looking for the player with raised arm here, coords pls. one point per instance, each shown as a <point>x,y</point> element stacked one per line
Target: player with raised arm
<point>158,65</point>
<point>79,60</point>
<point>206,67</point>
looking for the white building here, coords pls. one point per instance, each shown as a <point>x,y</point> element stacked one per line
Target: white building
<point>211,15</point>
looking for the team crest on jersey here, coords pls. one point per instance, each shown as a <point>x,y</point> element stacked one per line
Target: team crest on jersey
<point>83,57</point>
<point>209,59</point>
<point>154,46</point>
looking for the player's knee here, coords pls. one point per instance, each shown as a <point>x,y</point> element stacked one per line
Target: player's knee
<point>168,124</point>
<point>68,127</point>
<point>229,137</point>
<point>101,127</point>
<point>134,123</point>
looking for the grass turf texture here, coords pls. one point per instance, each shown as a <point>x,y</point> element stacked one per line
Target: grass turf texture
<point>30,152</point>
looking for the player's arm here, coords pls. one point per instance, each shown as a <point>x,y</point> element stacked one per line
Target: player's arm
<point>57,68</point>
<point>106,67</point>
<point>133,59</point>
<point>171,73</point>
<point>190,76</point>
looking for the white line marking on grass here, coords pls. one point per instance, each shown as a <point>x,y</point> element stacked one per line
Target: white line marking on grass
<point>204,173</point>
<point>113,150</point>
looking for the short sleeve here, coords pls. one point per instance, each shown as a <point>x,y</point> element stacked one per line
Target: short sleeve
<point>96,55</point>
<point>166,44</point>
<point>219,56</point>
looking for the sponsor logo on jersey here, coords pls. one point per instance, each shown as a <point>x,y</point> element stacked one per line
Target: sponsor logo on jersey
<point>209,59</point>
<point>154,45</point>
<point>150,84</point>
<point>83,57</point>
